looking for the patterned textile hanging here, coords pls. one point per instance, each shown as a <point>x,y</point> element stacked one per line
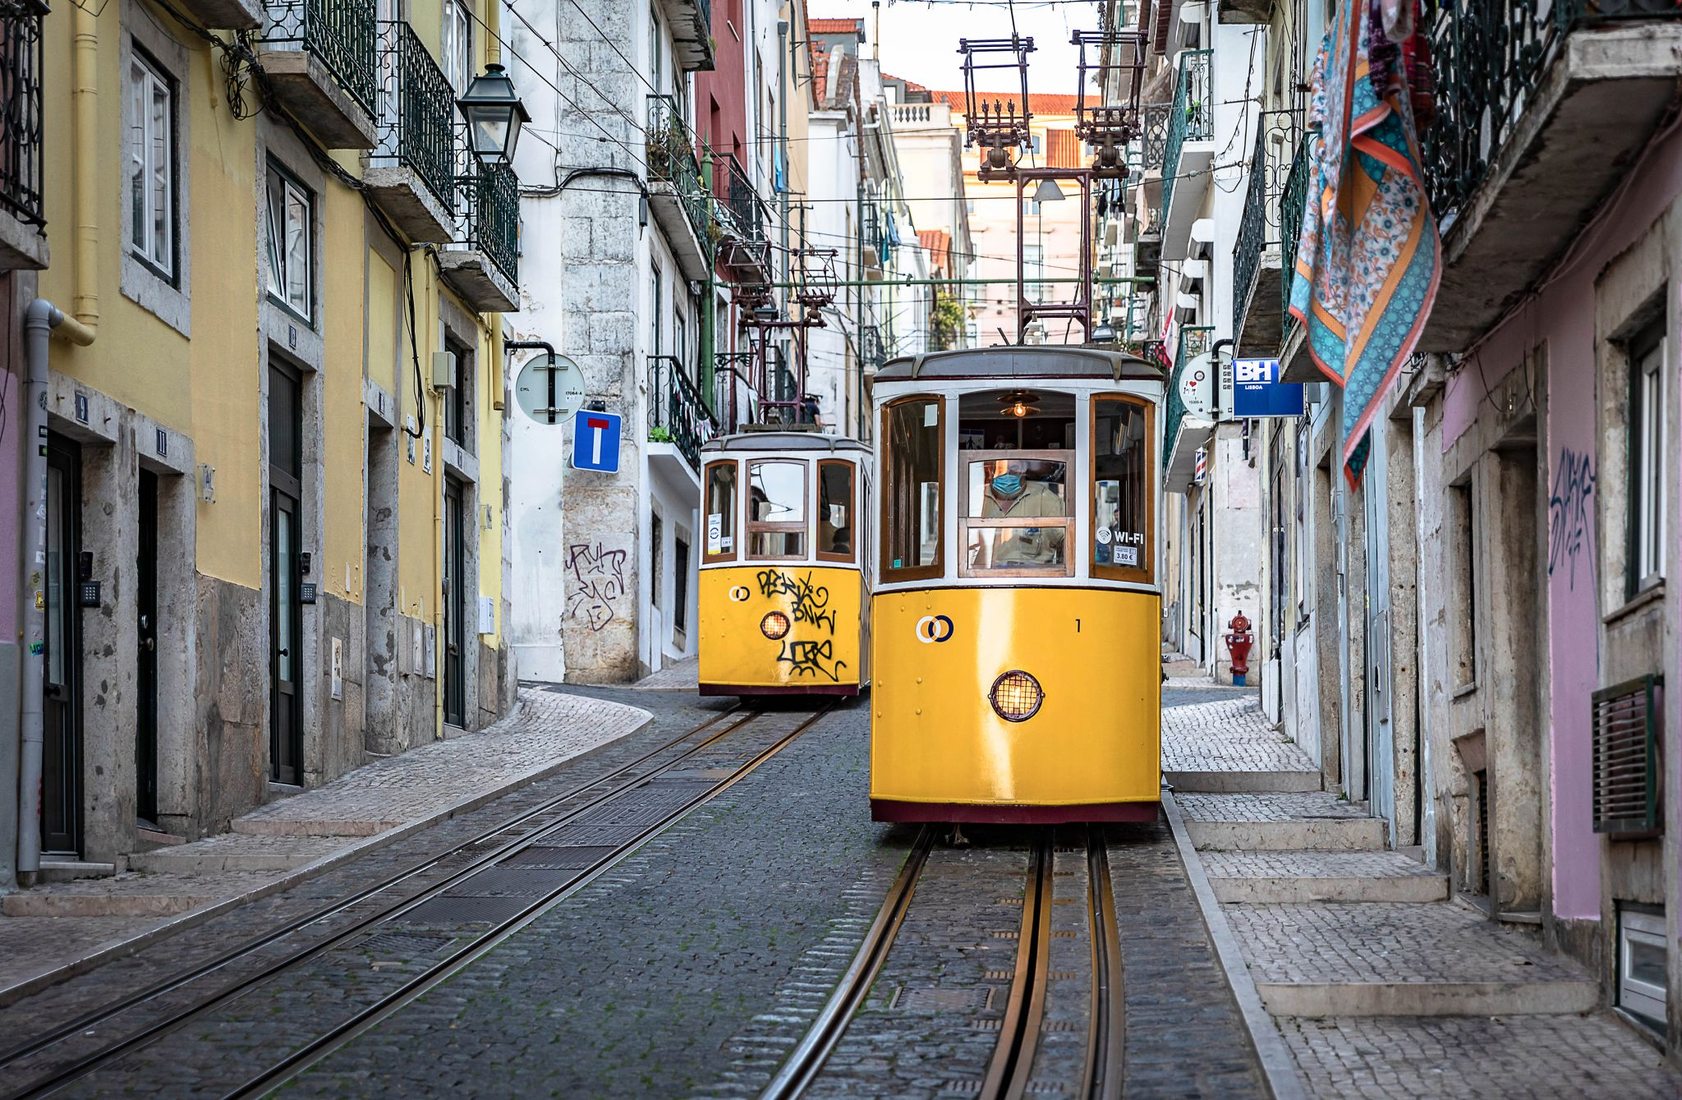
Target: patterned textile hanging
<point>1369,257</point>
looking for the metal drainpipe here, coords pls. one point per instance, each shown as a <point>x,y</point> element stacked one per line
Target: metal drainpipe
<point>40,319</point>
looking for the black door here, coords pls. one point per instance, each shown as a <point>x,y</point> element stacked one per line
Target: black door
<point>146,654</point>
<point>61,759</point>
<point>455,608</point>
<point>285,627</point>
<point>680,594</point>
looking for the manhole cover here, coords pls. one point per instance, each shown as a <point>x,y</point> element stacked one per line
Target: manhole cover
<point>514,882</point>
<point>561,859</point>
<point>392,946</point>
<point>939,1000</point>
<point>449,910</point>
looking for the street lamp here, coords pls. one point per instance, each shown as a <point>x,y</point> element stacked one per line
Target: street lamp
<point>1048,191</point>
<point>494,115</point>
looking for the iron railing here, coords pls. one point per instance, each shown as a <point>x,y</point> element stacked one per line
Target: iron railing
<point>743,210</point>
<point>676,412</point>
<point>1490,57</point>
<point>870,234</point>
<point>1293,204</point>
<point>1153,138</point>
<point>1191,119</point>
<point>491,216</point>
<point>417,112</point>
<point>671,159</point>
<point>20,110</point>
<point>732,375</point>
<point>1193,342</point>
<point>872,351</point>
<point>1252,233</point>
<point>339,32</point>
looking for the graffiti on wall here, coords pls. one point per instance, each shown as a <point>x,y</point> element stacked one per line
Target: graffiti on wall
<point>598,577</point>
<point>1570,511</point>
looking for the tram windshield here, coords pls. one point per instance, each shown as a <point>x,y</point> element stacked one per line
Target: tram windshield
<point>777,509</point>
<point>1014,450</point>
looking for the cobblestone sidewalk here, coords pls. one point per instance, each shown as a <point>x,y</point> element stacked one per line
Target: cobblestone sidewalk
<point>1379,983</point>
<point>45,931</point>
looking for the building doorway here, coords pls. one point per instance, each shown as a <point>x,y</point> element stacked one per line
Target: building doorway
<point>285,625</point>
<point>455,607</point>
<point>146,653</point>
<point>61,758</point>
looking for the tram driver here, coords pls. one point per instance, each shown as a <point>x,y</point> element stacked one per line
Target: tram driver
<point>1012,494</point>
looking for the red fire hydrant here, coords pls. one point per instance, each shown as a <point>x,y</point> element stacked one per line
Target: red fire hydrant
<point>1238,644</point>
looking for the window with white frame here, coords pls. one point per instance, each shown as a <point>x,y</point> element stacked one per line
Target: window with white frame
<point>458,43</point>
<point>150,152</point>
<point>1643,962</point>
<point>289,209</point>
<point>1646,462</point>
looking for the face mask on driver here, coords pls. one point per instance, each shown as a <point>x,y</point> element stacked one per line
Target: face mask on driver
<point>1007,485</point>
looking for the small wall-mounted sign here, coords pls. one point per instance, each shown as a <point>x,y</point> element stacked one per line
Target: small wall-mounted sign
<point>337,669</point>
<point>292,337</point>
<point>163,443</point>
<point>87,594</point>
<point>81,407</point>
<point>306,592</point>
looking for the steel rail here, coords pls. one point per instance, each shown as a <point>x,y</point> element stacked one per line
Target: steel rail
<point>1105,1040</point>
<point>156,1028</point>
<point>1019,1033</point>
<point>369,1017</point>
<point>808,1058</point>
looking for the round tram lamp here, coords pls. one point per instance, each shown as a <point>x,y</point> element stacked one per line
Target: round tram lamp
<point>494,115</point>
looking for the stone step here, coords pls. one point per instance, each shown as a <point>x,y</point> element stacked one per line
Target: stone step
<point>31,904</point>
<point>1279,822</point>
<point>1442,958</point>
<point>237,852</point>
<point>285,826</point>
<point>68,870</point>
<point>1242,782</point>
<point>1291,878</point>
<point>1517,998</point>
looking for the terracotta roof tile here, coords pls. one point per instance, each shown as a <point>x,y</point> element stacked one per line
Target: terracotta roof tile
<point>1041,103</point>
<point>836,26</point>
<point>1061,149</point>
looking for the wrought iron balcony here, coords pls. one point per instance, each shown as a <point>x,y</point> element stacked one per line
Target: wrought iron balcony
<point>22,244</point>
<point>677,414</point>
<point>1293,202</point>
<point>1257,256</point>
<point>1193,343</point>
<point>1153,139</point>
<point>411,172</point>
<point>322,64</point>
<point>1252,233</point>
<point>734,397</point>
<point>1542,105</point>
<point>677,195</point>
<point>1191,121</point>
<point>742,217</point>
<point>482,263</point>
<point>872,351</point>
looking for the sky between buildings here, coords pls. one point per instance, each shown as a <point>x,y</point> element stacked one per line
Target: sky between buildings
<point>919,38</point>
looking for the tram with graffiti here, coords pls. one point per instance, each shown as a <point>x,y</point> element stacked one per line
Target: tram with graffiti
<point>784,579</point>
<point>1016,613</point>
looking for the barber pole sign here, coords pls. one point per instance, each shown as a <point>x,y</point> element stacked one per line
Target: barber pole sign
<point>1200,471</point>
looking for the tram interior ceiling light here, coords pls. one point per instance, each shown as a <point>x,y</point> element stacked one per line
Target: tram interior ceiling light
<point>494,115</point>
<point>774,625</point>
<point>1016,696</point>
<point>1019,403</point>
<point>1048,191</point>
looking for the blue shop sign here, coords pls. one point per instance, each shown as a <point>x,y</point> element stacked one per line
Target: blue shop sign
<point>1257,391</point>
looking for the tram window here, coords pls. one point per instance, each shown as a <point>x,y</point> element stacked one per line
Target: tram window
<point>1121,490</point>
<point>835,510</point>
<point>777,509</point>
<point>913,439</point>
<point>1016,514</point>
<point>721,511</point>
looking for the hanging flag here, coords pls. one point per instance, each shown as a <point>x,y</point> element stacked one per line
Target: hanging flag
<point>1369,256</point>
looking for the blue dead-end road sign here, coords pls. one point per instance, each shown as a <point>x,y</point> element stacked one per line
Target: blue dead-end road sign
<point>595,441</point>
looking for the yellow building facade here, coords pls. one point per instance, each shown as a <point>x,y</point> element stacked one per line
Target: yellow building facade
<point>275,539</point>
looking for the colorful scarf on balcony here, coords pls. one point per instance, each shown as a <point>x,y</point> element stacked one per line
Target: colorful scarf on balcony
<point>1368,258</point>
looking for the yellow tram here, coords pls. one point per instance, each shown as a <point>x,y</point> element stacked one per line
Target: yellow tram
<point>785,585</point>
<point>1016,614</point>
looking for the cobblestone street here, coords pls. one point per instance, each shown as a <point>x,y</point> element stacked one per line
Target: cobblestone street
<point>695,937</point>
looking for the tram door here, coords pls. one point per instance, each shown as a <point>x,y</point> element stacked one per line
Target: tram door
<point>61,759</point>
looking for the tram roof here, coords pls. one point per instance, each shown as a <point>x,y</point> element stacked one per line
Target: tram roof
<point>1019,361</point>
<point>784,441</point>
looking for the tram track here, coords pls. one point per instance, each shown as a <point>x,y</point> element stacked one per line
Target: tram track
<point>1011,1069</point>
<point>679,767</point>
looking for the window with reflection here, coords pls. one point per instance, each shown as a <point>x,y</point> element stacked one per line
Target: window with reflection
<point>776,505</point>
<point>721,512</point>
<point>913,436</point>
<point>1121,488</point>
<point>1015,448</point>
<point>836,536</point>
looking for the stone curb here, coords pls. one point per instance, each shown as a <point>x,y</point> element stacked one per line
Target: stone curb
<point>1284,1078</point>
<point>1306,889</point>
<point>117,948</point>
<point>1243,782</point>
<point>1430,999</point>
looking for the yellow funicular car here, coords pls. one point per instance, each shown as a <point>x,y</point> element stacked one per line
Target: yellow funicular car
<point>785,582</point>
<point>1016,615</point>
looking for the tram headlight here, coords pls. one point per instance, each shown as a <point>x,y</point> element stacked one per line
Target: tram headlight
<point>1016,696</point>
<point>774,625</point>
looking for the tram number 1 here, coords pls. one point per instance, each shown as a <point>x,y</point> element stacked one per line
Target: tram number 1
<point>1077,626</point>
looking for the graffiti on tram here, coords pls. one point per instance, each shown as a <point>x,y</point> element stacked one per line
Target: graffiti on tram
<point>808,602</point>
<point>812,659</point>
